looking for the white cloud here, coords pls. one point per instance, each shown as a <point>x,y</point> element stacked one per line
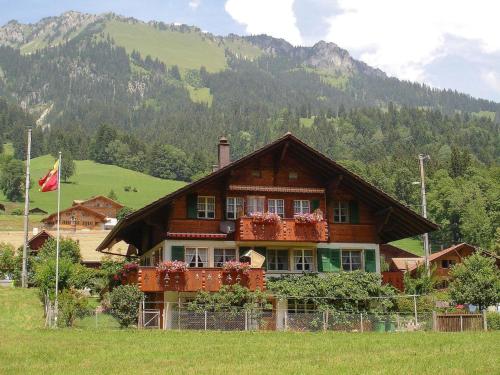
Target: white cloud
<point>194,4</point>
<point>403,37</point>
<point>492,79</point>
<point>272,17</point>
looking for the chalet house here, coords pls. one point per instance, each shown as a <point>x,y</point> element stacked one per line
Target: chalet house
<point>101,204</point>
<point>76,217</point>
<point>38,240</point>
<point>440,263</point>
<point>221,217</point>
<point>93,213</point>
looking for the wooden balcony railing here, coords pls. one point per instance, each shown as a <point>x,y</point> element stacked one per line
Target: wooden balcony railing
<point>195,279</point>
<point>286,230</point>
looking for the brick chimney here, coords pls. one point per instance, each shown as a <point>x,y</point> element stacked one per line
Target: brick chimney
<point>224,158</point>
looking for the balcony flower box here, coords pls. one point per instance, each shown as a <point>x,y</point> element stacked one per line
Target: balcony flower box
<point>307,218</point>
<point>170,267</point>
<point>128,270</point>
<point>265,218</point>
<point>236,267</point>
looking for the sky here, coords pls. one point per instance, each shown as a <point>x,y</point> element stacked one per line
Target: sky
<point>452,44</point>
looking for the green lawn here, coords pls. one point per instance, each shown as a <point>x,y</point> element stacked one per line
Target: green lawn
<point>27,348</point>
<point>410,244</point>
<point>93,179</point>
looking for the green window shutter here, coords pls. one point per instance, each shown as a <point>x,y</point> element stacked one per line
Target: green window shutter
<point>324,262</point>
<point>178,253</point>
<point>262,251</point>
<point>328,260</point>
<point>192,206</point>
<point>314,204</point>
<point>370,261</point>
<point>354,212</point>
<point>335,260</point>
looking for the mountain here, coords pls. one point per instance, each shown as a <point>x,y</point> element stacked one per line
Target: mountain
<point>165,83</point>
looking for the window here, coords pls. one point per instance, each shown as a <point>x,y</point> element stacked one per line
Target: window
<point>301,207</point>
<point>276,206</point>
<point>341,212</point>
<point>447,263</point>
<point>206,207</point>
<point>222,256</point>
<point>255,204</point>
<point>196,256</point>
<point>277,260</point>
<point>302,260</point>
<point>293,175</point>
<point>351,260</point>
<point>300,306</point>
<point>234,208</point>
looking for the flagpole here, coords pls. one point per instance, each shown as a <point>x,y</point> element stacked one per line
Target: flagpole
<point>24,276</point>
<point>58,240</point>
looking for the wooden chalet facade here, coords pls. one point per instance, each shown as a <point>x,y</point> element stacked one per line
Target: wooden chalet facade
<point>212,221</point>
<point>104,205</point>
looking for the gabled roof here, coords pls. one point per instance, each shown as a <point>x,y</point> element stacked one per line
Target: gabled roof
<point>403,221</point>
<point>459,246</point>
<point>78,201</point>
<point>76,207</point>
<point>407,264</point>
<point>40,234</point>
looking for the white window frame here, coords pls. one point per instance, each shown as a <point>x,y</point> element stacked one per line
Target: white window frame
<point>276,206</point>
<point>273,254</point>
<point>202,207</point>
<point>301,206</point>
<point>259,201</point>
<point>341,212</point>
<point>225,257</point>
<point>300,254</point>
<point>350,252</point>
<point>237,205</point>
<point>199,262</point>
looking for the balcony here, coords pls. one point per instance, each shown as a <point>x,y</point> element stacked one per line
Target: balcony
<point>286,230</point>
<point>195,279</point>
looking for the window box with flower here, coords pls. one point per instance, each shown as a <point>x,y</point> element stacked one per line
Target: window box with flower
<point>308,218</point>
<point>270,218</point>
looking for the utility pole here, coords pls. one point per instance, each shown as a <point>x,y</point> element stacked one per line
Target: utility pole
<point>24,276</point>
<point>421,158</point>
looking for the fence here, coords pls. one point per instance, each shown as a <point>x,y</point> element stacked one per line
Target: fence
<point>175,316</point>
<point>459,322</point>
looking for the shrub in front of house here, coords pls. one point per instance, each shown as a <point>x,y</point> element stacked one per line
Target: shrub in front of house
<point>124,304</point>
<point>72,305</point>
<point>493,320</point>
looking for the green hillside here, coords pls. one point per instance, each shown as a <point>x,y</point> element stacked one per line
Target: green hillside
<point>93,179</point>
<point>188,50</point>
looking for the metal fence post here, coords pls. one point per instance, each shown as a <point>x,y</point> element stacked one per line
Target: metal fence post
<point>205,320</point>
<point>246,320</point>
<point>361,322</point>
<point>461,323</point>
<point>485,321</point>
<point>415,308</point>
<point>286,320</point>
<point>96,325</point>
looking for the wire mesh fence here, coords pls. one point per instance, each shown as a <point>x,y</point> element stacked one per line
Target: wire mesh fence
<point>173,316</point>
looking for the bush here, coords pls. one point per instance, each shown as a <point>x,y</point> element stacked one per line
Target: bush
<point>17,212</point>
<point>123,212</point>
<point>68,249</point>
<point>83,277</point>
<point>45,275</point>
<point>493,320</point>
<point>420,283</point>
<point>7,261</point>
<point>124,301</point>
<point>72,304</point>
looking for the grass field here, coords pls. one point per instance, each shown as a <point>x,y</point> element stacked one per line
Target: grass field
<point>94,179</point>
<point>28,349</point>
<point>187,50</point>
<point>410,244</point>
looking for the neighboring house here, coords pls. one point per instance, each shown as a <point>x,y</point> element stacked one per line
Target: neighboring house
<point>440,263</point>
<point>209,222</point>
<point>38,211</point>
<point>101,204</point>
<point>76,217</point>
<point>38,240</point>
